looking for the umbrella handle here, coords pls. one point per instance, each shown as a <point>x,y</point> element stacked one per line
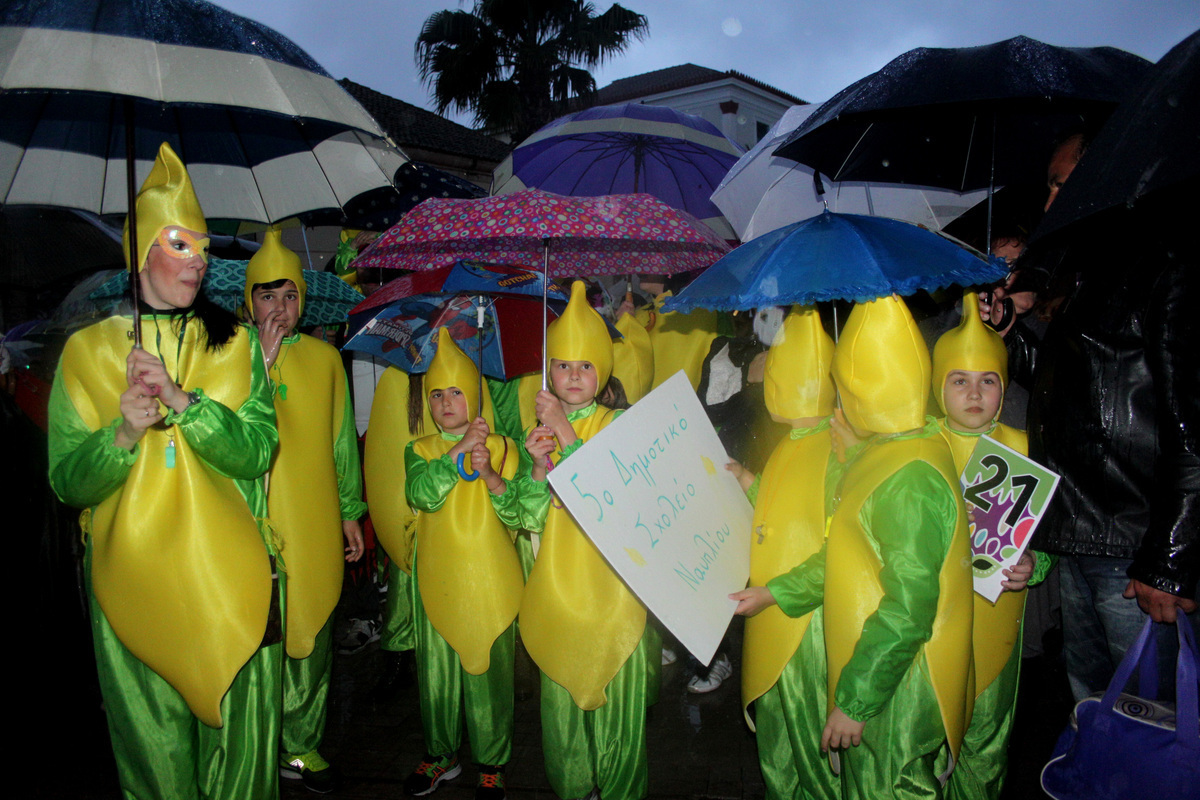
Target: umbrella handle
<point>466,476</point>
<point>1007,312</point>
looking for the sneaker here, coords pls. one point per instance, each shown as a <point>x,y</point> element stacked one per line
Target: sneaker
<point>717,673</point>
<point>361,633</point>
<point>430,773</point>
<point>315,772</point>
<point>491,783</point>
<point>668,656</point>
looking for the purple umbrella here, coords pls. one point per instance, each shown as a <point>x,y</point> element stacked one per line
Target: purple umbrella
<point>626,149</point>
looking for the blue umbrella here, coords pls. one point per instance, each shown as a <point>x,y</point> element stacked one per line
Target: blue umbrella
<point>626,149</point>
<point>835,257</point>
<point>399,322</point>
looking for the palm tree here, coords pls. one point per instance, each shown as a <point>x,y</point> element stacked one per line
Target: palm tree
<point>517,64</point>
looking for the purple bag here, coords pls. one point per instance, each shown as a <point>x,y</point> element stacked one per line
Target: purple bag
<point>1125,747</point>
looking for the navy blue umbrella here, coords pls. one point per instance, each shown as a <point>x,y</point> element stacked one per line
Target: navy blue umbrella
<point>963,118</point>
<point>835,257</point>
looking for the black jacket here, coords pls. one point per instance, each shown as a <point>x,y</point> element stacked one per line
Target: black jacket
<point>1115,410</point>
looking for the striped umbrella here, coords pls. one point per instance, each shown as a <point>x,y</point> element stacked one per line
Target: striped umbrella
<point>266,133</point>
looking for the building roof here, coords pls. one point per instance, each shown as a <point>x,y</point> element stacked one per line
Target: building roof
<point>680,77</point>
<point>412,126</point>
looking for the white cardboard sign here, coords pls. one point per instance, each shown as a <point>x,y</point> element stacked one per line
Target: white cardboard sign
<point>1009,494</point>
<point>652,492</point>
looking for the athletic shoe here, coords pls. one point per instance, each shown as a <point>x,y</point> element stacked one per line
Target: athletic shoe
<point>491,783</point>
<point>668,656</point>
<point>361,633</point>
<point>315,772</point>
<point>717,673</point>
<point>429,774</point>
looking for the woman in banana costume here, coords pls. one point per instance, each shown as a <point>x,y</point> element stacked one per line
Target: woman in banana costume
<point>314,498</point>
<point>783,653</point>
<point>898,580</point>
<point>164,448</point>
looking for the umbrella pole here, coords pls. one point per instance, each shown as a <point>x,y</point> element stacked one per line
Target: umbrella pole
<point>479,313</point>
<point>545,302</point>
<point>135,285</point>
<point>991,186</point>
<point>463,457</point>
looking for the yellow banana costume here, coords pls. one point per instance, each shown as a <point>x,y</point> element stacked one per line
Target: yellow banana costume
<point>898,582</point>
<point>633,358</point>
<point>179,573</point>
<point>315,483</point>
<point>467,578</point>
<point>679,341</point>
<point>387,435</point>
<point>783,658</point>
<point>996,636</point>
<point>579,622</point>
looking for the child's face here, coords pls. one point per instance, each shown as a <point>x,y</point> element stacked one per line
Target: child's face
<point>574,383</point>
<point>972,400</point>
<point>285,299</point>
<point>448,407</point>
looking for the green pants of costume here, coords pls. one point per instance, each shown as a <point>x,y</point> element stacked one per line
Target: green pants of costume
<point>605,748</point>
<point>983,759</point>
<point>306,695</point>
<point>903,748</point>
<point>789,719</point>
<point>397,634</point>
<point>446,690</point>
<point>164,752</point>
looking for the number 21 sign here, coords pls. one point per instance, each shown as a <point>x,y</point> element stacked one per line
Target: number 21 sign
<point>1008,493</point>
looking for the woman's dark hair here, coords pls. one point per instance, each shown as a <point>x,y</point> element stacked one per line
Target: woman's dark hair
<point>613,394</point>
<point>416,403</point>
<point>219,325</point>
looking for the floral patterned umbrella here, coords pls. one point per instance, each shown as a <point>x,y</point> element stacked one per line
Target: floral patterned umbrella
<point>608,235</point>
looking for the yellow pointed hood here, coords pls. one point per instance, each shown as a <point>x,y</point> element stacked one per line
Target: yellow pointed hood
<point>797,383</point>
<point>166,198</point>
<point>881,368</point>
<point>972,346</point>
<point>274,262</point>
<point>452,367</point>
<point>581,335</point>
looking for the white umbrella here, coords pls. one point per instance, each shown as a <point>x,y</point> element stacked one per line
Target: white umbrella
<point>763,192</point>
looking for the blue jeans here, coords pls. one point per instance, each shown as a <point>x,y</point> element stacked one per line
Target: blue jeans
<point>1099,625</point>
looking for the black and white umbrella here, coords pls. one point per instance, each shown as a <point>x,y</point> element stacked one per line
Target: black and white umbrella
<point>266,133</point>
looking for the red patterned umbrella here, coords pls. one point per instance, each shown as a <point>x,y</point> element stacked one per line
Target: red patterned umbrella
<point>572,236</point>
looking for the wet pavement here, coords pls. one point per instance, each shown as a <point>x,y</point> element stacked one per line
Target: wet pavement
<point>699,745</point>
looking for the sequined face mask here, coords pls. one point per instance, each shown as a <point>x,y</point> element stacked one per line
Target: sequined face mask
<point>179,243</point>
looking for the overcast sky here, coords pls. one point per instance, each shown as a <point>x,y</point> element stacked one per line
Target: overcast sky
<point>808,48</point>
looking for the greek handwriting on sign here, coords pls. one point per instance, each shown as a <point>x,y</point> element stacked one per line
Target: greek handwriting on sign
<point>641,464</point>
<point>709,544</point>
<point>649,492</point>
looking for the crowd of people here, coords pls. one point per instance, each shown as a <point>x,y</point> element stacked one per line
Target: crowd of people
<point>218,469</point>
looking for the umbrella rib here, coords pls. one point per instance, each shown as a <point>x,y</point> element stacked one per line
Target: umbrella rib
<point>25,149</point>
<point>850,154</point>
<point>250,166</point>
<point>970,144</point>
